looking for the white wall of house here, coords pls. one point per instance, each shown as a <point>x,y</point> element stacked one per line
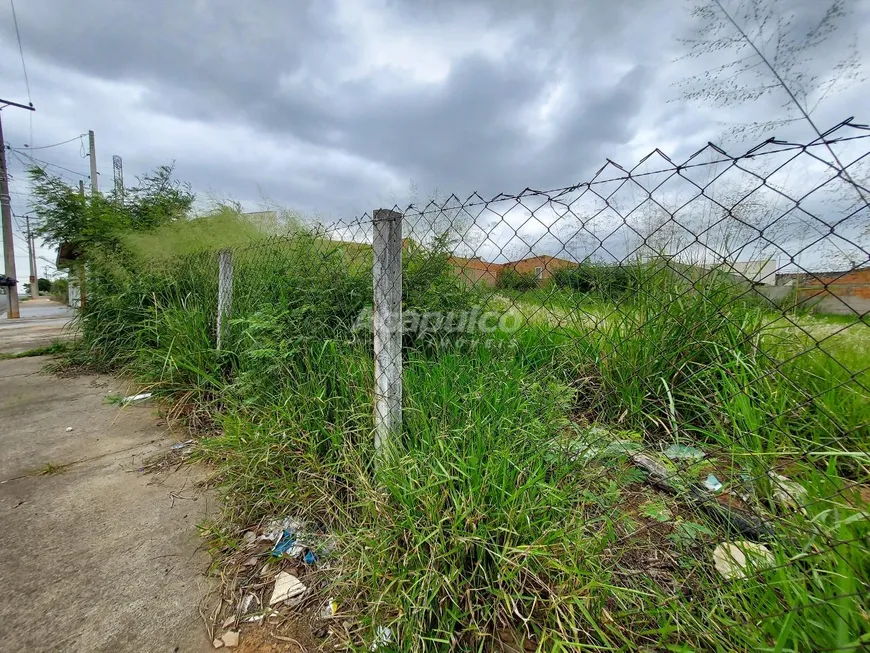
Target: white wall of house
<point>763,272</point>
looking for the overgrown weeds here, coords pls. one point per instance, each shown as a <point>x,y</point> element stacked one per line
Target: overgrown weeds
<point>510,512</point>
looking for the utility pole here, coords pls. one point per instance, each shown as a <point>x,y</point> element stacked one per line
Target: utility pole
<point>6,209</point>
<point>80,268</point>
<point>34,278</point>
<point>95,185</point>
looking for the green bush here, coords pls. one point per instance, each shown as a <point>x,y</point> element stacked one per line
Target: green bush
<point>59,289</point>
<point>609,281</point>
<point>509,279</point>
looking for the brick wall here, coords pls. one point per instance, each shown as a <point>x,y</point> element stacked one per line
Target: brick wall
<point>545,264</point>
<point>475,271</point>
<point>846,292</point>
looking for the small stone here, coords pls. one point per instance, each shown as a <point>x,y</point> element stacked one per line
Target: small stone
<point>230,639</point>
<point>217,643</point>
<point>732,559</point>
<point>250,538</point>
<point>250,562</point>
<point>69,428</point>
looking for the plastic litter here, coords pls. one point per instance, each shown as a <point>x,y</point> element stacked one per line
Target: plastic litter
<point>787,492</point>
<point>310,558</point>
<point>286,587</point>
<point>277,528</point>
<point>712,483</point>
<point>683,452</point>
<point>247,602</point>
<point>383,636</point>
<point>183,445</point>
<point>731,559</point>
<point>140,397</point>
<point>287,545</point>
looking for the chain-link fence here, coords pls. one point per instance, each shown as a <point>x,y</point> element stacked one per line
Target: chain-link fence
<point>704,327</point>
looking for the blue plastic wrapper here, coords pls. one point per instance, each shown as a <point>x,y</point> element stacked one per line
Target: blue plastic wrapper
<point>284,543</point>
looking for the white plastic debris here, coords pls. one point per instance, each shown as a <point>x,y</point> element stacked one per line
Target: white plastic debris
<point>286,587</point>
<point>247,602</point>
<point>69,428</point>
<point>140,397</point>
<point>737,559</point>
<point>183,445</point>
<point>712,483</point>
<point>787,492</point>
<point>275,528</point>
<point>383,636</point>
<point>250,538</point>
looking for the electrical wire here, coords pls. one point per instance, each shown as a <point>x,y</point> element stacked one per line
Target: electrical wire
<point>23,65</point>
<point>21,51</point>
<point>48,163</point>
<point>45,147</point>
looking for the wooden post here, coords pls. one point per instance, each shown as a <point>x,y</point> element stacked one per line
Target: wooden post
<point>225,292</point>
<point>387,325</point>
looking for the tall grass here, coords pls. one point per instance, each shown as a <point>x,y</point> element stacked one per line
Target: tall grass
<point>505,516</point>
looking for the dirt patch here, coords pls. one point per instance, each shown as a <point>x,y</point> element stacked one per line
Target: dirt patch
<point>291,637</point>
<point>250,564</point>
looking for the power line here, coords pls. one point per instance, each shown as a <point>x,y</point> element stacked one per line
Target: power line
<point>21,51</point>
<point>28,148</point>
<point>23,65</point>
<point>48,163</point>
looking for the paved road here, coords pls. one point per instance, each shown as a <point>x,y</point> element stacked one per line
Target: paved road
<point>42,322</point>
<point>97,556</point>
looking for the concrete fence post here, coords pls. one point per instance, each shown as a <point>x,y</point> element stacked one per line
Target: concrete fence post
<point>225,293</point>
<point>387,326</point>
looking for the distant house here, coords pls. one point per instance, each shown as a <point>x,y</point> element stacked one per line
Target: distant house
<point>541,266</point>
<point>477,271</point>
<point>844,291</point>
<point>763,271</point>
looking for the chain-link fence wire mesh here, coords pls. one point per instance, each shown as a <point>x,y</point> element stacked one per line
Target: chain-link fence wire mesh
<point>706,321</point>
<point>715,313</point>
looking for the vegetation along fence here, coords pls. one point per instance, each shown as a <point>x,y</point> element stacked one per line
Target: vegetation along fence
<point>630,412</point>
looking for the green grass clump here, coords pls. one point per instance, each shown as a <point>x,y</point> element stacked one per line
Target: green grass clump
<point>54,348</point>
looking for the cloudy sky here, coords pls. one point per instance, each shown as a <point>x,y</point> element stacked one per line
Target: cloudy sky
<point>333,107</point>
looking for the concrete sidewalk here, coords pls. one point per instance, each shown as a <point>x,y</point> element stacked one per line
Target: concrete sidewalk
<point>97,555</point>
<point>42,322</point>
